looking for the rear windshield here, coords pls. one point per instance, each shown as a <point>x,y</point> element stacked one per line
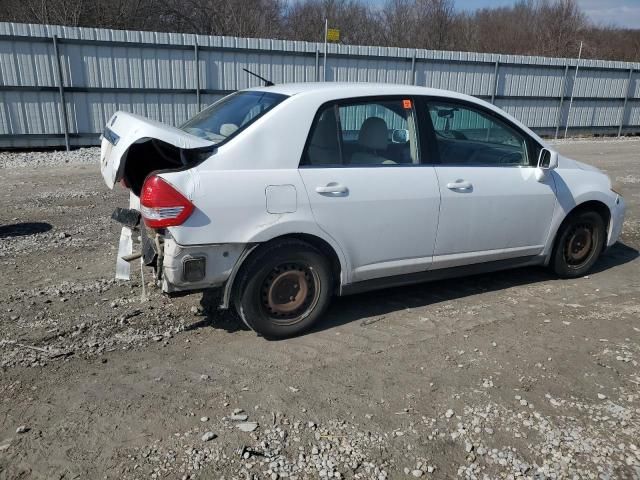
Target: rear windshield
<point>227,117</point>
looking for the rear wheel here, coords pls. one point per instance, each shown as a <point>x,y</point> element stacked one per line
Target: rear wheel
<point>284,289</point>
<point>578,245</point>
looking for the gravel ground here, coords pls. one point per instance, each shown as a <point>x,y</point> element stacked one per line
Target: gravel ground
<point>513,374</point>
<point>56,158</point>
<point>594,140</point>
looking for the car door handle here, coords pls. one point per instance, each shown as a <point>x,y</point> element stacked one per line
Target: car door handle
<point>459,185</point>
<point>332,188</point>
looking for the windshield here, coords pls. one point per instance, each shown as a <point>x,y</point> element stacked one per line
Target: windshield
<point>229,116</point>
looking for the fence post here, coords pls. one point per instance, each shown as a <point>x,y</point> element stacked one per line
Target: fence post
<point>573,89</point>
<point>413,68</point>
<point>562,89</point>
<point>317,64</point>
<point>324,62</point>
<point>63,105</point>
<point>197,72</point>
<point>495,82</point>
<point>626,99</point>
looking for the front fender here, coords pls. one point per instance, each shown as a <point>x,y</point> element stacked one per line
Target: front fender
<point>575,187</point>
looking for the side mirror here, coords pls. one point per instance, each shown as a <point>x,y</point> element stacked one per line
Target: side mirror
<point>548,160</point>
<point>400,136</point>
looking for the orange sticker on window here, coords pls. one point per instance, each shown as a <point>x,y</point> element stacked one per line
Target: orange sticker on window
<point>406,104</point>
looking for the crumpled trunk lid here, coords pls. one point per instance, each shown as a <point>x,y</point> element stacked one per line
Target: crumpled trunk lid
<point>125,129</point>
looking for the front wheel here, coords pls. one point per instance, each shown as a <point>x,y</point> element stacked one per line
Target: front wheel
<point>284,289</point>
<point>579,242</point>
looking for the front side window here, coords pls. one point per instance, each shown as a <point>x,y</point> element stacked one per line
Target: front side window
<point>468,136</point>
<point>229,116</point>
<point>360,133</point>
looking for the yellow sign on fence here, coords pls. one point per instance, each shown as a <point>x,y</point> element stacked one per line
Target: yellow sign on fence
<point>333,35</point>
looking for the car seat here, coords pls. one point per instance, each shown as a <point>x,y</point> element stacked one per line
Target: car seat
<point>373,140</point>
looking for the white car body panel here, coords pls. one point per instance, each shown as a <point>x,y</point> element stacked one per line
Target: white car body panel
<point>505,208</point>
<point>387,221</point>
<point>578,183</point>
<point>219,220</point>
<point>394,221</point>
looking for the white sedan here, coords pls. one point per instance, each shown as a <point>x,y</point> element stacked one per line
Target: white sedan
<point>286,195</point>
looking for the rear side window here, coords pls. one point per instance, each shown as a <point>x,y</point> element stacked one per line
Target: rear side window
<point>469,136</point>
<point>229,116</point>
<point>363,133</point>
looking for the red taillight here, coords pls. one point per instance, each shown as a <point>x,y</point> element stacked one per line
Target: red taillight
<point>161,205</point>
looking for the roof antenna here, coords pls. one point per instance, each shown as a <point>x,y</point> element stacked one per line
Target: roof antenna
<point>267,83</point>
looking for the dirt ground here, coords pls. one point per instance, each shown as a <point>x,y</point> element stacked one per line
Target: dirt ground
<point>512,374</point>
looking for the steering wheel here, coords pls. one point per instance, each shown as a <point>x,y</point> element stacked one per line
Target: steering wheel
<point>458,135</point>
<point>454,134</point>
<point>510,158</point>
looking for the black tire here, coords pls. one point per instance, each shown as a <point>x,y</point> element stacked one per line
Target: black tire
<point>578,244</point>
<point>283,289</point>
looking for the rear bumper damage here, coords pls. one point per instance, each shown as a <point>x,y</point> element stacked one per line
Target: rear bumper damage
<point>197,267</point>
<point>177,268</point>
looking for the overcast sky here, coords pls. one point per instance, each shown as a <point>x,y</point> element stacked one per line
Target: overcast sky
<point>623,13</point>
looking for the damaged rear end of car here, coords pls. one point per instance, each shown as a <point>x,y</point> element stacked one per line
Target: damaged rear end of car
<point>157,164</point>
<point>139,154</point>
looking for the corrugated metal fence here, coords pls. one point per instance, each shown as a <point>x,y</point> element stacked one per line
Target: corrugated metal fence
<point>59,85</point>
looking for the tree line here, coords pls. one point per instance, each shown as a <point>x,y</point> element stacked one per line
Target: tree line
<point>528,27</point>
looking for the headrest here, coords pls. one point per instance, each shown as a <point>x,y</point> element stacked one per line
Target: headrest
<point>227,129</point>
<point>374,134</point>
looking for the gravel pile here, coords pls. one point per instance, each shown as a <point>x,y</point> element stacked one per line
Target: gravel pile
<point>557,446</point>
<point>49,158</point>
<point>489,440</point>
<point>285,448</point>
<point>41,242</point>
<point>65,331</point>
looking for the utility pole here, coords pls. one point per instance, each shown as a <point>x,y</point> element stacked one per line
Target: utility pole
<point>573,89</point>
<point>324,65</point>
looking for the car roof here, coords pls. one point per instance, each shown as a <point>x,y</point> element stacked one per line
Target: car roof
<point>340,90</point>
<point>350,89</point>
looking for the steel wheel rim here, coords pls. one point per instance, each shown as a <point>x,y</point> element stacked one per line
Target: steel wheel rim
<point>579,245</point>
<point>289,293</point>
